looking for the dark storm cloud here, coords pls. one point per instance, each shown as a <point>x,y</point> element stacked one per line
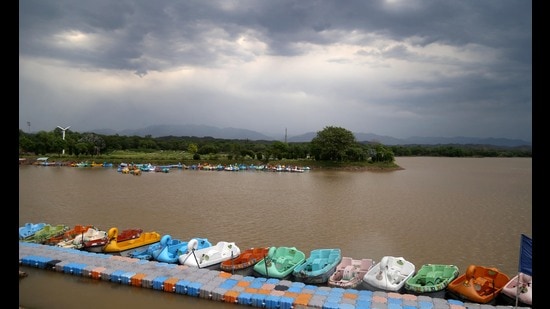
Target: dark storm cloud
<point>465,61</point>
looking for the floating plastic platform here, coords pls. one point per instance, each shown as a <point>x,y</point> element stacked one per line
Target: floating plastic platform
<point>221,286</point>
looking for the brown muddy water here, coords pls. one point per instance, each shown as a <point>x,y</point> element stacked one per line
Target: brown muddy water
<point>458,211</point>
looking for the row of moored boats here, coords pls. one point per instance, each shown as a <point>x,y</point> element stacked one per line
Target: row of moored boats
<point>325,266</point>
<point>137,168</point>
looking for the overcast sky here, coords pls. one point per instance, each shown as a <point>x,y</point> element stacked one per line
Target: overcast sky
<point>400,68</point>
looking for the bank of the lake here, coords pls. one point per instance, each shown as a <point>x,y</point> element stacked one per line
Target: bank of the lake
<point>160,160</point>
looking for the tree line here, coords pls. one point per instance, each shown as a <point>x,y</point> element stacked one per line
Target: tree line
<point>330,144</point>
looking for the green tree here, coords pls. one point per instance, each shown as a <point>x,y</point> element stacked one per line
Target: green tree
<point>333,144</point>
<point>379,153</point>
<point>208,149</point>
<point>192,148</point>
<point>26,143</point>
<point>94,143</point>
<point>278,150</point>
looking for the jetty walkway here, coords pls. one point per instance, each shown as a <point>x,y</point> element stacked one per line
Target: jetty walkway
<point>222,286</point>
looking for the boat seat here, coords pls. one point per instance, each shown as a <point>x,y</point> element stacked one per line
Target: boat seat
<point>346,261</point>
<point>283,263</point>
<point>433,277</point>
<point>485,286</point>
<point>333,257</point>
<point>482,285</point>
<point>348,272</point>
<point>282,260</point>
<point>395,276</point>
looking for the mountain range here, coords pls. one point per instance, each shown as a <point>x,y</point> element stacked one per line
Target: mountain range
<point>236,133</point>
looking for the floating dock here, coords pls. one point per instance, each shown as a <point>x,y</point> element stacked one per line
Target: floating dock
<point>221,286</point>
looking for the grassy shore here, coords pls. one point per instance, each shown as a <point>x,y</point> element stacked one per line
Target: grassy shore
<point>174,157</point>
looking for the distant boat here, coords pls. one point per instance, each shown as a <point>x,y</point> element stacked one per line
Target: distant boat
<point>162,169</point>
<point>297,169</point>
<point>82,164</point>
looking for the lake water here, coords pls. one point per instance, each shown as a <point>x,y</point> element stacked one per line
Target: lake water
<point>458,211</point>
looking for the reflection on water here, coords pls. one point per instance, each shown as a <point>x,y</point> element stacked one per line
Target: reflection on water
<point>437,210</point>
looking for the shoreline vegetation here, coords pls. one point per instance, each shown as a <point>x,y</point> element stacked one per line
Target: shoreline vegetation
<point>172,157</point>
<point>333,148</point>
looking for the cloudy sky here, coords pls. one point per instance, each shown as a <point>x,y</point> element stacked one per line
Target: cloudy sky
<point>400,68</point>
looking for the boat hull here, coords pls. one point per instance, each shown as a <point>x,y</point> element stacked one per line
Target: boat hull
<point>479,285</point>
<point>128,252</point>
<point>94,249</point>
<point>315,280</point>
<point>29,229</point>
<point>245,272</point>
<point>48,231</point>
<point>349,273</point>
<point>431,280</point>
<point>318,267</point>
<point>520,287</point>
<point>244,264</point>
<point>68,235</point>
<point>209,257</point>
<point>93,240</point>
<point>145,252</point>
<point>124,248</point>
<point>171,251</point>
<point>279,263</point>
<point>389,275</point>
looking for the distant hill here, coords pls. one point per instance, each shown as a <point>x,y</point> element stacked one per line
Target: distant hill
<point>190,130</point>
<point>417,140</point>
<point>235,133</point>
